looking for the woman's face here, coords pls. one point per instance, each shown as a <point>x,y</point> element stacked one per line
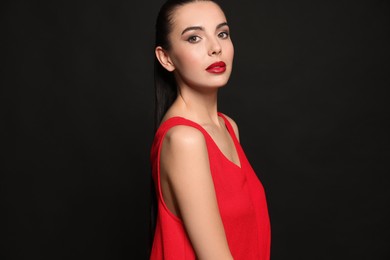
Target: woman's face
<point>201,49</point>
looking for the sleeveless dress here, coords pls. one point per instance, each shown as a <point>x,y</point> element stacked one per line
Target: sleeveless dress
<point>240,196</point>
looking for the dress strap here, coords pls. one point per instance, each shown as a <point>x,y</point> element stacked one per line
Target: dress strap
<point>168,124</point>
<point>229,127</point>
<point>175,121</point>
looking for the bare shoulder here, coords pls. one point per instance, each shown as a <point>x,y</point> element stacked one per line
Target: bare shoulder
<point>234,125</point>
<point>182,136</point>
<point>183,147</point>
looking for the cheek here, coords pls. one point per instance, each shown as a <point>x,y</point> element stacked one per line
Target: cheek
<point>185,59</point>
<point>229,50</point>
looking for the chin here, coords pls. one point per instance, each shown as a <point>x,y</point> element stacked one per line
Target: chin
<point>215,86</point>
<point>215,82</point>
<point>218,83</point>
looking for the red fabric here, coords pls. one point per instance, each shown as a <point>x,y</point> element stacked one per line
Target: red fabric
<point>241,201</point>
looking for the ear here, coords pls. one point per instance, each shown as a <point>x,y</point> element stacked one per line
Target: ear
<point>164,59</point>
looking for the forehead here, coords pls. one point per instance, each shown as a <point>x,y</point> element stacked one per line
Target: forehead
<point>198,13</point>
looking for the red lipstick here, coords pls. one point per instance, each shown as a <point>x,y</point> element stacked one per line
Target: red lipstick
<point>217,67</point>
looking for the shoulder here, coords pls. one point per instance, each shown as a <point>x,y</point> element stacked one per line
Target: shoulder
<point>184,150</point>
<point>183,135</point>
<point>184,141</point>
<point>234,125</point>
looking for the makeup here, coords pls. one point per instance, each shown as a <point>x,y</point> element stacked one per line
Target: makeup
<point>217,67</point>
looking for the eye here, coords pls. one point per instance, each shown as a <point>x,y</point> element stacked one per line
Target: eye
<point>223,35</point>
<point>193,39</point>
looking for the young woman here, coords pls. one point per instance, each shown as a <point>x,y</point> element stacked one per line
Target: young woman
<point>210,204</point>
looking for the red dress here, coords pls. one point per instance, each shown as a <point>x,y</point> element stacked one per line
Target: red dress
<point>241,202</point>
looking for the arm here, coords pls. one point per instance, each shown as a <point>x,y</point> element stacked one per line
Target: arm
<point>188,191</point>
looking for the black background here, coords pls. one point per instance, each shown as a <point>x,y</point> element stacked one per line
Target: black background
<point>308,91</point>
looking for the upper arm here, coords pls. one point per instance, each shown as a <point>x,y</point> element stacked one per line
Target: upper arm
<point>184,165</point>
<point>234,125</point>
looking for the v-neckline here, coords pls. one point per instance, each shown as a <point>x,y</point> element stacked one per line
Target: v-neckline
<point>219,150</point>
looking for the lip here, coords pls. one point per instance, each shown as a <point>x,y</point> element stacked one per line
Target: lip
<point>217,67</point>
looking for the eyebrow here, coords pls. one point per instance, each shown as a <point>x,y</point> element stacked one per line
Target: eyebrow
<point>194,28</point>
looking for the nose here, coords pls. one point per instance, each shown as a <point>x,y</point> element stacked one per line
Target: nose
<point>215,48</point>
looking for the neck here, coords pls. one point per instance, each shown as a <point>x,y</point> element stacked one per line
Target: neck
<point>199,105</point>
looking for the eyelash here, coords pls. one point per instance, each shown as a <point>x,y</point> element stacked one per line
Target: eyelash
<point>226,35</point>
<point>195,38</point>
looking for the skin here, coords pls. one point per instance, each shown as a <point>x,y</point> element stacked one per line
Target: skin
<point>186,181</point>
